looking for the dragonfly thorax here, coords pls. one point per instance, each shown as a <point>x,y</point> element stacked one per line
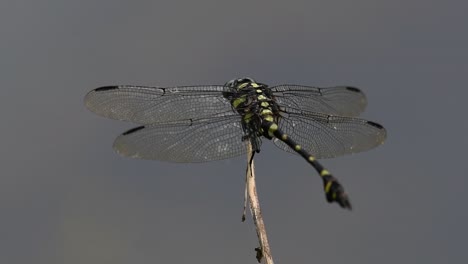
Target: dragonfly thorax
<point>256,106</point>
<point>235,83</point>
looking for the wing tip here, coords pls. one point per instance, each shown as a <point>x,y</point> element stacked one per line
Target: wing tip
<point>122,147</point>
<point>90,97</point>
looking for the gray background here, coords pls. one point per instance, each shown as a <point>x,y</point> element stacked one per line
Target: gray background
<point>65,197</point>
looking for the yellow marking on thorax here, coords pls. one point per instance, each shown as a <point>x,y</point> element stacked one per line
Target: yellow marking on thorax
<point>242,85</point>
<point>248,117</point>
<point>259,91</point>
<point>255,85</point>
<point>266,112</point>
<point>238,101</point>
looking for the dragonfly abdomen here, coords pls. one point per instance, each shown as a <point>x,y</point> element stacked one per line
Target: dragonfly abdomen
<point>334,192</point>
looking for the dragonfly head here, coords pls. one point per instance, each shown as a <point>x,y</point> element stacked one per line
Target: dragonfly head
<point>238,83</point>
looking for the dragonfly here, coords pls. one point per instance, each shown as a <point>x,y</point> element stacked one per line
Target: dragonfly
<point>204,123</point>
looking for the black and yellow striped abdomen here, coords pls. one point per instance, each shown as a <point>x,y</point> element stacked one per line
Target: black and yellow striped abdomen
<point>334,192</point>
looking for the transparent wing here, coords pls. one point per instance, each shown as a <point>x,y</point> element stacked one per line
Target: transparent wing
<point>326,136</point>
<point>146,105</point>
<point>339,100</point>
<point>184,141</point>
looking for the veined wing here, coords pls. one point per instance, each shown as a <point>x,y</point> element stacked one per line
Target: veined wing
<point>327,136</point>
<point>184,141</point>
<point>146,105</point>
<point>339,100</point>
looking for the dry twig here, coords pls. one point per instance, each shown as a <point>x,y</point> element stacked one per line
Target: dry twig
<point>263,251</point>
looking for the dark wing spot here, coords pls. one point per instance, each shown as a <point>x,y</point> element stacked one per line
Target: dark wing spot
<point>354,89</point>
<point>106,88</point>
<point>375,124</point>
<point>133,130</point>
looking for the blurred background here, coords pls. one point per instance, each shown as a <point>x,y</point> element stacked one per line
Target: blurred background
<point>66,197</point>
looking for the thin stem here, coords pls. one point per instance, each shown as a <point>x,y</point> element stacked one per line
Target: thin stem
<point>246,197</point>
<point>263,252</point>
